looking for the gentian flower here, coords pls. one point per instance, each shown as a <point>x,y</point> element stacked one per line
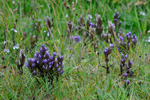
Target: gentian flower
<point>43,64</point>
<point>77,39</point>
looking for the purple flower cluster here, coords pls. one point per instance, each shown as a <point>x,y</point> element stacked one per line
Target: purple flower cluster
<point>116,19</point>
<point>108,51</point>
<point>77,39</point>
<point>127,41</point>
<point>44,64</point>
<point>124,64</point>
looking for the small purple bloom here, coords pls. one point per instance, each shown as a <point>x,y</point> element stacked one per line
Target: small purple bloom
<point>43,45</point>
<point>105,50</point>
<point>59,63</point>
<point>43,67</point>
<point>61,58</point>
<point>91,24</point>
<point>122,55</point>
<point>54,54</point>
<point>121,38</point>
<point>49,66</point>
<point>37,62</point>
<point>117,13</point>
<point>133,40</point>
<point>41,49</point>
<point>44,61</point>
<point>27,64</point>
<point>45,48</point>
<point>50,58</point>
<point>126,74</point>
<point>111,46</point>
<point>33,60</point>
<point>127,81</point>
<point>129,33</point>
<point>122,60</point>
<point>119,23</point>
<point>62,71</point>
<point>33,64</point>
<point>120,29</point>
<point>77,39</point>
<point>115,20</point>
<point>30,59</point>
<point>34,72</point>
<point>39,56</point>
<point>56,65</point>
<point>125,56</point>
<point>58,69</point>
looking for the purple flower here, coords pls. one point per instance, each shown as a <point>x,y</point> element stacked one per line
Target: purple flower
<point>115,20</point>
<point>45,64</point>
<point>29,59</point>
<point>58,69</point>
<point>37,62</point>
<point>56,65</point>
<point>105,51</point>
<point>34,72</point>
<point>122,55</point>
<point>61,58</point>
<point>33,64</point>
<point>39,56</point>
<point>36,54</point>
<point>91,24</point>
<point>77,39</point>
<point>27,64</point>
<point>121,38</point>
<point>50,58</point>
<point>125,56</point>
<point>133,40</point>
<point>122,60</point>
<point>54,54</point>
<point>33,60</point>
<point>111,46</point>
<point>129,33</point>
<point>130,62</point>
<point>49,66</point>
<point>62,71</point>
<point>41,49</point>
<point>127,81</point>
<point>43,67</point>
<point>126,74</point>
<point>47,54</point>
<point>44,61</point>
<point>119,23</point>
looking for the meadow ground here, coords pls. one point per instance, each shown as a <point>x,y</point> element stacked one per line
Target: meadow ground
<point>23,22</point>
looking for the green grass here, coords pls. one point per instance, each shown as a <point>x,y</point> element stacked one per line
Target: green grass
<point>84,79</point>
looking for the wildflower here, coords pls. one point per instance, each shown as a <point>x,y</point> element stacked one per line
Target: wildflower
<point>16,46</point>
<point>107,51</point>
<point>5,42</point>
<point>121,38</point>
<point>77,39</point>
<point>44,64</point>
<point>92,24</point>
<point>142,13</point>
<point>14,30</point>
<point>67,16</point>
<point>48,34</point>
<point>127,81</point>
<point>126,74</point>
<point>90,16</point>
<point>6,50</point>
